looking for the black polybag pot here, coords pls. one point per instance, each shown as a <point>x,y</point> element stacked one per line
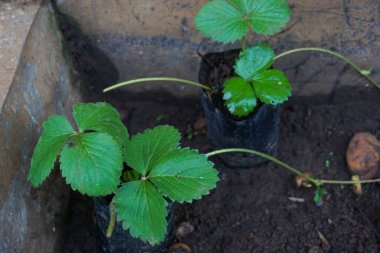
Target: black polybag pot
<point>259,131</point>
<point>121,240</point>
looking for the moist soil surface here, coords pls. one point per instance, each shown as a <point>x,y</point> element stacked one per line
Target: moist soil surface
<point>260,209</point>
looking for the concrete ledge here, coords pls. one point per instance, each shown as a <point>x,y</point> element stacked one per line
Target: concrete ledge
<point>15,22</point>
<point>31,220</point>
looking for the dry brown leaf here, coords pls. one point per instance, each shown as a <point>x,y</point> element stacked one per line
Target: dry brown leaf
<point>180,246</point>
<point>302,181</point>
<point>323,239</point>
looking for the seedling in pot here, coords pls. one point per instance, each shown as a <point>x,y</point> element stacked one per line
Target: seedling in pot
<point>227,21</point>
<point>92,158</point>
<point>255,82</point>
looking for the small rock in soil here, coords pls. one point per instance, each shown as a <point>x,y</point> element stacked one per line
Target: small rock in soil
<point>199,124</point>
<point>363,156</point>
<point>184,229</point>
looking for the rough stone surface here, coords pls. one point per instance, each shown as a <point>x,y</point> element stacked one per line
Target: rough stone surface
<point>15,21</point>
<point>31,220</point>
<point>158,38</point>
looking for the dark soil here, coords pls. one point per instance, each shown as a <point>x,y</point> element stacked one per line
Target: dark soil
<point>214,70</point>
<point>250,211</point>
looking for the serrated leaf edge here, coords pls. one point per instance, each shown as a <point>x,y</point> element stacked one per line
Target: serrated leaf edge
<point>148,131</point>
<point>60,150</point>
<point>250,26</point>
<point>127,227</point>
<point>274,104</point>
<point>210,163</point>
<point>103,193</point>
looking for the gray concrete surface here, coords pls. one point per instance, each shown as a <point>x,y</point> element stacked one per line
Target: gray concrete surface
<point>32,220</point>
<point>15,21</point>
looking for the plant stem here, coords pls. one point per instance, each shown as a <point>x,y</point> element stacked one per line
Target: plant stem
<point>111,225</point>
<point>341,182</point>
<point>151,79</point>
<point>316,181</point>
<point>268,157</point>
<point>243,44</point>
<point>340,56</point>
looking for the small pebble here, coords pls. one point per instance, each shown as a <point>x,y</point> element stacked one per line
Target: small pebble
<point>184,229</point>
<point>363,156</point>
<point>199,124</point>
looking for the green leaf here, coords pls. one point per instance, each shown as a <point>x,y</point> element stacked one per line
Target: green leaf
<point>228,21</point>
<point>56,131</point>
<point>92,164</point>
<point>142,209</point>
<point>272,87</point>
<point>221,21</point>
<point>319,194</point>
<point>144,150</point>
<point>100,117</point>
<point>239,96</point>
<point>184,175</point>
<point>255,59</point>
<point>244,6</point>
<point>269,16</point>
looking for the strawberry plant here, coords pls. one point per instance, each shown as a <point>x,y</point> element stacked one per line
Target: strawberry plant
<point>255,82</point>
<point>227,21</point>
<point>91,157</point>
<point>157,170</point>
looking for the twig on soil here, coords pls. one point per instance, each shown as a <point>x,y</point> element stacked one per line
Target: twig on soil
<point>299,200</point>
<point>323,239</point>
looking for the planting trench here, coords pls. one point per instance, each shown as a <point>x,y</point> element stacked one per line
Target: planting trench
<point>252,210</point>
<point>260,209</point>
